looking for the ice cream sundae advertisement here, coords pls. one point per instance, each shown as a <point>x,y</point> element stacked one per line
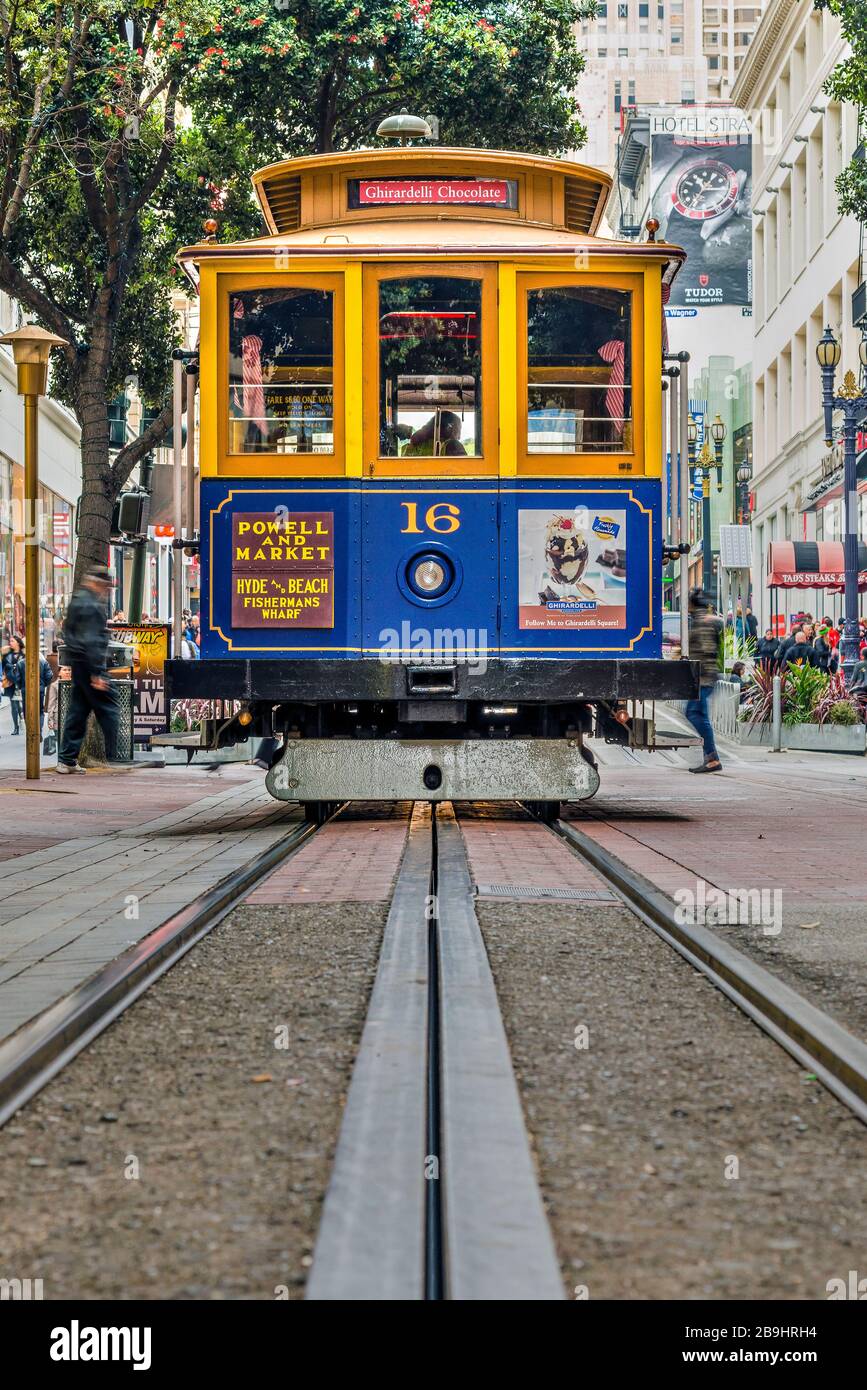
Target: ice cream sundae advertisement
<point>572,569</point>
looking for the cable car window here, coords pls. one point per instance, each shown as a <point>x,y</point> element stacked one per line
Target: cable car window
<point>281,371</point>
<point>430,367</point>
<point>579,370</point>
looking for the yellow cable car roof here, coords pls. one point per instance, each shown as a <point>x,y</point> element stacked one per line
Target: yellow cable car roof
<point>589,187</point>
<point>305,205</point>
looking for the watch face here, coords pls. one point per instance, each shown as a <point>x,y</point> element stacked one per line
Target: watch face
<point>705,189</point>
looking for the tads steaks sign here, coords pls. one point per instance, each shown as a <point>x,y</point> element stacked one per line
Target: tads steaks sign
<point>283,569</point>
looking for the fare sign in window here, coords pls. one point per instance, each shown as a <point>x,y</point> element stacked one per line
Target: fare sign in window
<point>282,569</point>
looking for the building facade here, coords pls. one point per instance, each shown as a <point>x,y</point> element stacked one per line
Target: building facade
<point>807,267</point>
<point>59,488</point>
<point>638,52</point>
<point>690,167</point>
<point>727,32</point>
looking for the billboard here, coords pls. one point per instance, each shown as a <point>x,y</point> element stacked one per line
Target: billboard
<point>150,646</point>
<point>700,191</point>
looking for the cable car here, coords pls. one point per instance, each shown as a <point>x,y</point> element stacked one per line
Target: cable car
<point>431,478</point>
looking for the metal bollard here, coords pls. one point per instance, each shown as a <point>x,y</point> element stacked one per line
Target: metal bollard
<point>778,714</point>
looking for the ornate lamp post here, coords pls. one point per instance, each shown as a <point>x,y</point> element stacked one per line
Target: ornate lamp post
<point>744,478</point>
<point>706,461</point>
<point>31,348</point>
<point>718,434</point>
<point>853,404</point>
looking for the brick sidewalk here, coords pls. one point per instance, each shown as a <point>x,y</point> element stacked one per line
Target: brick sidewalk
<point>91,865</point>
<point>518,853</point>
<point>789,827</point>
<point>54,809</point>
<point>349,861</point>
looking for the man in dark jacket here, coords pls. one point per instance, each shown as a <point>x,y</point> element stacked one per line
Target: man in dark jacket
<point>704,634</point>
<point>85,637</point>
<point>787,643</point>
<point>767,647</point>
<point>801,652</point>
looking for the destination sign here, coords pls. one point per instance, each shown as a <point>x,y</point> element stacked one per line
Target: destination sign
<point>282,540</point>
<point>282,569</point>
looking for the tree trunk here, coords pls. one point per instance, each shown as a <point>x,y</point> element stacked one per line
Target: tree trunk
<point>97,490</point>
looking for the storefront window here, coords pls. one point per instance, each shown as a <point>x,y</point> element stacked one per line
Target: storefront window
<point>281,371</point>
<point>579,371</point>
<point>55,565</point>
<point>54,556</point>
<point>430,367</point>
<point>7,552</point>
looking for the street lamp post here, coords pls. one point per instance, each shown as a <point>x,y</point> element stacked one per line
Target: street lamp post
<point>853,403</point>
<point>31,348</point>
<point>707,461</point>
<point>717,434</point>
<point>744,477</point>
<point>692,440</point>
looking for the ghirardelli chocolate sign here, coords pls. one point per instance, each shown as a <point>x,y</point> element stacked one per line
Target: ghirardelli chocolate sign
<point>282,569</point>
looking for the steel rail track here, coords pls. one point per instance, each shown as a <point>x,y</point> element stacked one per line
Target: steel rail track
<point>812,1037</point>
<point>43,1046</point>
<point>433,1194</point>
<point>434,1259</point>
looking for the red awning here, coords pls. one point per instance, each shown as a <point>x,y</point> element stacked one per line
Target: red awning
<point>811,565</point>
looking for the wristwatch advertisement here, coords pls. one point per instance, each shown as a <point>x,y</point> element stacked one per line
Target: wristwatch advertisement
<point>701,197</point>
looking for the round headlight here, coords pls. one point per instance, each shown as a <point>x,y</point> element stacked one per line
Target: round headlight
<point>429,575</point>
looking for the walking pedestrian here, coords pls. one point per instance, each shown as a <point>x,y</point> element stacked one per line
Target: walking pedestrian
<point>52,701</point>
<point>12,678</point>
<point>46,676</point>
<point>267,754</point>
<point>741,630</point>
<point>85,637</point>
<point>704,634</point>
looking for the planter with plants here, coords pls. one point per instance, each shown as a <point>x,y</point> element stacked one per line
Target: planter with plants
<point>819,713</point>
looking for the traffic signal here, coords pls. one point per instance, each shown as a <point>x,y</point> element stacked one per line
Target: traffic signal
<point>130,514</point>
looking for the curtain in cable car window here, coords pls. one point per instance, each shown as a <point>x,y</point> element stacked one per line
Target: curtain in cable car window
<point>579,370</point>
<point>430,367</point>
<point>281,371</point>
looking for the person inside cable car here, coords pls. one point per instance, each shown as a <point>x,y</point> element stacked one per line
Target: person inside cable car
<point>440,435</point>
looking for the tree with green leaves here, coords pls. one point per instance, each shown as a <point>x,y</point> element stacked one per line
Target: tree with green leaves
<point>124,125</point>
<point>848,82</point>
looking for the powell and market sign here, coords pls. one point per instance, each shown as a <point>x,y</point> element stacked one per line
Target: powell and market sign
<point>283,569</point>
